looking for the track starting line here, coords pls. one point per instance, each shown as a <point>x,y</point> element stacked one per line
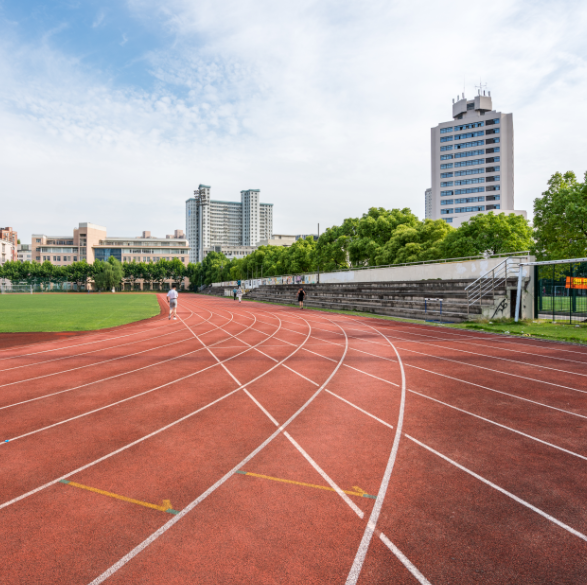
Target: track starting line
<point>359,492</point>
<point>164,507</point>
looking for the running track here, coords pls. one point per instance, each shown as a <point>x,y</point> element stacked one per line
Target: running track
<point>252,443</point>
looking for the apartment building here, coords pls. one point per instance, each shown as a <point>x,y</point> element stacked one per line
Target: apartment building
<point>472,162</point>
<point>24,252</point>
<point>90,242</point>
<point>231,226</point>
<point>7,234</point>
<point>428,203</point>
<point>7,251</point>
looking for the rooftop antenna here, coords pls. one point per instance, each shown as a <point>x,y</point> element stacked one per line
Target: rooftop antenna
<point>481,87</point>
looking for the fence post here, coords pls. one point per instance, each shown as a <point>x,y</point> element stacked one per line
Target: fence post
<point>519,295</point>
<point>441,310</point>
<point>571,295</point>
<point>552,291</point>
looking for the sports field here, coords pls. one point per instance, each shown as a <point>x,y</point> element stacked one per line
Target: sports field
<point>73,312</point>
<point>251,443</point>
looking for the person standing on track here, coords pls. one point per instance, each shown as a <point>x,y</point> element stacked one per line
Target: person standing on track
<point>301,296</point>
<point>234,291</point>
<point>172,300</point>
<point>239,294</point>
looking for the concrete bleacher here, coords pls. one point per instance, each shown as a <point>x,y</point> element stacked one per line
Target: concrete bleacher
<point>396,299</point>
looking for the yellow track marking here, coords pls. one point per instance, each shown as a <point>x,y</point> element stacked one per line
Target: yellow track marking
<point>164,507</point>
<point>360,493</point>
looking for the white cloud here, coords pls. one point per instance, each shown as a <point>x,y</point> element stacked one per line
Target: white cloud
<point>99,19</point>
<point>324,106</point>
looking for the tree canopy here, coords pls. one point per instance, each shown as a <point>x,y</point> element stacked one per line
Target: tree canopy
<point>560,218</point>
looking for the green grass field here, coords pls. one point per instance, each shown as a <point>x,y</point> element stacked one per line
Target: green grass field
<point>73,312</point>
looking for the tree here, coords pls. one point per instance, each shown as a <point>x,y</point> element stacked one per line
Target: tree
<point>79,273</point>
<point>496,234</point>
<point>560,218</point>
<point>107,275</point>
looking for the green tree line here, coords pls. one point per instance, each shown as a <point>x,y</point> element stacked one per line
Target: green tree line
<point>380,237</point>
<point>104,275</point>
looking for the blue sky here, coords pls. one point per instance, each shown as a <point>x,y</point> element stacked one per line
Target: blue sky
<point>114,112</point>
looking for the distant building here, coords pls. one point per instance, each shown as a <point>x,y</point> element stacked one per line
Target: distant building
<point>229,224</point>
<point>24,253</point>
<point>7,251</point>
<point>7,234</point>
<point>285,241</point>
<point>90,242</point>
<point>473,162</point>
<point>428,203</point>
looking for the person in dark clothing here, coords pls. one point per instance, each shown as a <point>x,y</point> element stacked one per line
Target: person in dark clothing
<point>301,297</point>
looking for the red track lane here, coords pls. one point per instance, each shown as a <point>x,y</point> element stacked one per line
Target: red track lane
<point>179,428</point>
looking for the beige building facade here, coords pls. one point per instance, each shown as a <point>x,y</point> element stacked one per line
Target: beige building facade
<point>90,242</point>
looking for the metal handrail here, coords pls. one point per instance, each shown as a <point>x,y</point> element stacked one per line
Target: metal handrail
<point>492,279</point>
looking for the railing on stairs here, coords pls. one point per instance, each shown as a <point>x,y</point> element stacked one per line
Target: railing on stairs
<point>487,284</point>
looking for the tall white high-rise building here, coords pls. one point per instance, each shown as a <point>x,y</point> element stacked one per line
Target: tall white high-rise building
<point>472,162</point>
<point>233,227</point>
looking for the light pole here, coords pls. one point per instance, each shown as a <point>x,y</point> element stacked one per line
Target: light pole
<point>318,256</point>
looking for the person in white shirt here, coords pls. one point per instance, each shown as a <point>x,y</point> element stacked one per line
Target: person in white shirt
<point>239,294</point>
<point>172,300</point>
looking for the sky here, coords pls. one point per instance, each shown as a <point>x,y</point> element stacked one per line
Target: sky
<point>113,112</point>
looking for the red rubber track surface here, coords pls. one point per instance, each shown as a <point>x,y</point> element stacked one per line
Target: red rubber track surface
<point>472,448</point>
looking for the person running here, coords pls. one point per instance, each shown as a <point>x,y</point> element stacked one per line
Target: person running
<point>234,291</point>
<point>239,294</point>
<point>301,296</point>
<point>172,300</point>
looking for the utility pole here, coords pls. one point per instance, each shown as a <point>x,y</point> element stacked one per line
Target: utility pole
<point>318,258</point>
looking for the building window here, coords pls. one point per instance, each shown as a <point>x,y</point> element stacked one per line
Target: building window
<point>469,144</point>
<point>493,179</point>
<point>447,219</point>
<point>446,156</point>
<point>469,209</point>
<point>446,211</point>
<point>470,163</point>
<point>493,131</point>
<point>446,138</point>
<point>492,159</point>
<point>446,193</point>
<point>470,200</point>
<point>467,154</point>
<point>470,106</point>
<point>469,126</point>
<point>470,190</point>
<point>445,175</point>
<point>492,140</point>
<point>493,207</point>
<point>446,184</point>
<point>446,130</point>
<point>491,122</point>
<point>470,181</point>
<point>469,172</point>
<point>442,148</point>
<point>492,198</point>
<point>447,202</point>
<point>490,150</point>
<point>493,188</point>
<point>469,135</point>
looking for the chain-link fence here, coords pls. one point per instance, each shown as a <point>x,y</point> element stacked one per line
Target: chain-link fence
<point>561,292</point>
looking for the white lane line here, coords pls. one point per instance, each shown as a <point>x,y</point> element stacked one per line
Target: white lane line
<point>404,560</point>
<point>166,427</point>
<point>94,364</point>
<point>501,490</point>
<point>163,319</point>
<point>69,357</point>
<point>103,379</point>
<point>502,426</point>
<point>138,549</point>
<point>326,477</point>
<point>357,566</point>
<point>360,409</point>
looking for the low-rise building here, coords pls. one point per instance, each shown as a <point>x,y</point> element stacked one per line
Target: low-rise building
<point>24,253</point>
<point>7,234</point>
<point>7,251</point>
<point>90,242</point>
